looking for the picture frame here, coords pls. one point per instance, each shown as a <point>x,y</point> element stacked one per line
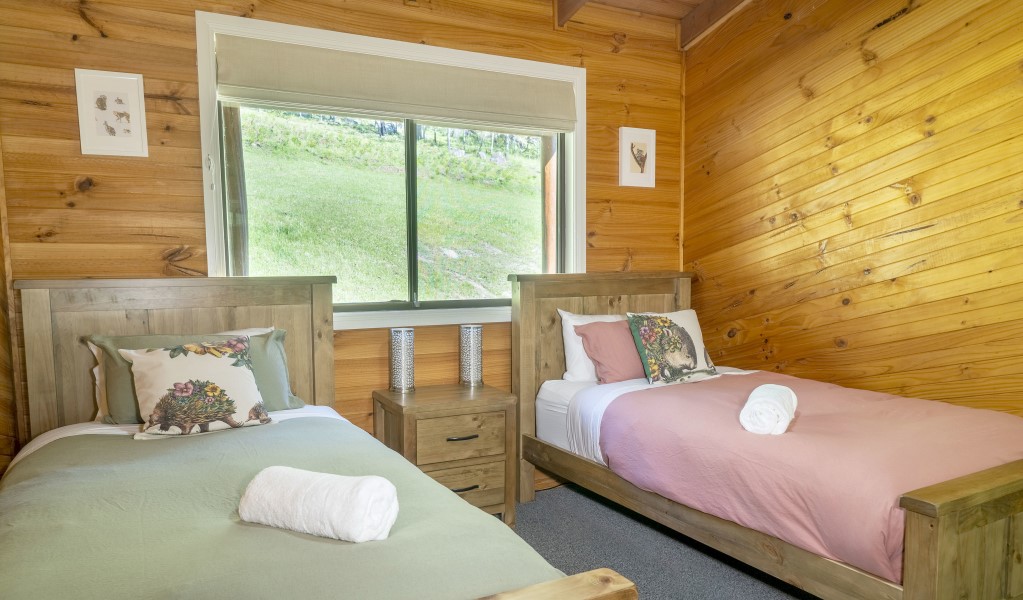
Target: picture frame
<point>111,113</point>
<point>637,157</point>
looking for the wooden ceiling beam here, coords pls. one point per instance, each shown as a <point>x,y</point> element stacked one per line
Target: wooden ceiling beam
<point>706,16</point>
<point>565,10</point>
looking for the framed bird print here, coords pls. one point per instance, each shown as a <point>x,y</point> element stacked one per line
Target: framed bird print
<point>111,113</point>
<point>637,153</point>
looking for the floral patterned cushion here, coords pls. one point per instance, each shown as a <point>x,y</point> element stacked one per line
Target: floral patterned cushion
<point>671,346</point>
<point>115,390</point>
<point>196,387</point>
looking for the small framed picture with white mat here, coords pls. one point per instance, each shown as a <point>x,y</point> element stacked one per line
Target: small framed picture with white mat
<point>637,154</point>
<point>111,113</point>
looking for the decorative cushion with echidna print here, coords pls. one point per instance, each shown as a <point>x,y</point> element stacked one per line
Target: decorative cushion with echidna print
<point>196,387</point>
<point>671,346</point>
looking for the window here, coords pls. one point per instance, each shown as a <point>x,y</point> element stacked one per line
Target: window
<point>438,218</point>
<point>420,176</point>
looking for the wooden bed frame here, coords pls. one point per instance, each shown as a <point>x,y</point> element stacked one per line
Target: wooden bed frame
<point>56,388</point>
<point>55,315</point>
<point>963,538</point>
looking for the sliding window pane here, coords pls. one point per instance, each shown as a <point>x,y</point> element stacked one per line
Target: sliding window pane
<point>325,195</point>
<point>480,211</point>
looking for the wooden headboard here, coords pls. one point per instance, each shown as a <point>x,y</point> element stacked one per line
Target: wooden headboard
<point>538,349</point>
<point>56,315</point>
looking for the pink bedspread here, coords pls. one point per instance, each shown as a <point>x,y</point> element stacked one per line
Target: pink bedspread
<point>830,485</point>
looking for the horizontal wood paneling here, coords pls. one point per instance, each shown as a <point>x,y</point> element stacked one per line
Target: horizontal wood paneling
<point>8,408</point>
<point>854,194</point>
<point>94,216</point>
<point>363,365</point>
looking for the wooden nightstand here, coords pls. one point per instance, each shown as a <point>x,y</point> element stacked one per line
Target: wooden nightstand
<point>463,437</point>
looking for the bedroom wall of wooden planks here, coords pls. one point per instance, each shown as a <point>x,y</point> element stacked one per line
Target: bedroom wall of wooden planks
<point>92,216</point>
<point>8,414</point>
<point>854,194</point>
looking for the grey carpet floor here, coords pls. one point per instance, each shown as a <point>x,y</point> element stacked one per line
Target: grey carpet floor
<point>577,531</point>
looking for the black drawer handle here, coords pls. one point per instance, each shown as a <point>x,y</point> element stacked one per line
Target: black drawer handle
<point>463,438</point>
<point>465,489</point>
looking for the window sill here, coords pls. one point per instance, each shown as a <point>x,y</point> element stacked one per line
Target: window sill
<point>379,319</point>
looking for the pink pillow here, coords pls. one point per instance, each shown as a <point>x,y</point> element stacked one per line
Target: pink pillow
<point>612,349</point>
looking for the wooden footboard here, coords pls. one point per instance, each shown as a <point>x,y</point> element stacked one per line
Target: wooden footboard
<point>598,584</point>
<point>964,537</point>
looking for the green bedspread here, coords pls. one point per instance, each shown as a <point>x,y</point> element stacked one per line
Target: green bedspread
<point>103,516</point>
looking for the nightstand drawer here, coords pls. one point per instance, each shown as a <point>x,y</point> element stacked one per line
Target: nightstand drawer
<point>460,436</point>
<point>481,485</point>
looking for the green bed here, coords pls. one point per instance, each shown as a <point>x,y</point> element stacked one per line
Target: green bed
<point>107,516</point>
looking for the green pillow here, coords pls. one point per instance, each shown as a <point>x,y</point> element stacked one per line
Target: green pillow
<point>266,350</point>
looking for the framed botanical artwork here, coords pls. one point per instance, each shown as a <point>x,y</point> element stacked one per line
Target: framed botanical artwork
<point>111,113</point>
<point>637,154</point>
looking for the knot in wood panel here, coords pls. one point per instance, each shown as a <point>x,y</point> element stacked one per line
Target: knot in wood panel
<point>83,184</point>
<point>906,187</point>
<point>618,42</point>
<point>869,57</point>
<point>45,234</point>
<point>178,254</point>
<point>804,89</point>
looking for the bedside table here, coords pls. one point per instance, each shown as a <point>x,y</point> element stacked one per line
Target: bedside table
<point>464,437</point>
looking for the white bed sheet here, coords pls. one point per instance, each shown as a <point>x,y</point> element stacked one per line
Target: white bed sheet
<point>96,428</point>
<point>586,411</point>
<point>552,409</point>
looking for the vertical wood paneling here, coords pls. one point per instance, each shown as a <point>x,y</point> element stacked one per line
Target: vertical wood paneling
<point>854,194</point>
<point>93,216</point>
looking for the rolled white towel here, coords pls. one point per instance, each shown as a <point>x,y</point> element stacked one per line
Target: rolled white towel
<point>354,509</point>
<point>770,409</point>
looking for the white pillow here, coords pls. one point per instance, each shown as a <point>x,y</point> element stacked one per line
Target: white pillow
<point>197,387</point>
<point>578,366</point>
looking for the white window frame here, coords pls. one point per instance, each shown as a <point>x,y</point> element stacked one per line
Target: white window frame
<point>208,25</point>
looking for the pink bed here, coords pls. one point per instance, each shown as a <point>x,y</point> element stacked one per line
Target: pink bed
<point>830,485</point>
